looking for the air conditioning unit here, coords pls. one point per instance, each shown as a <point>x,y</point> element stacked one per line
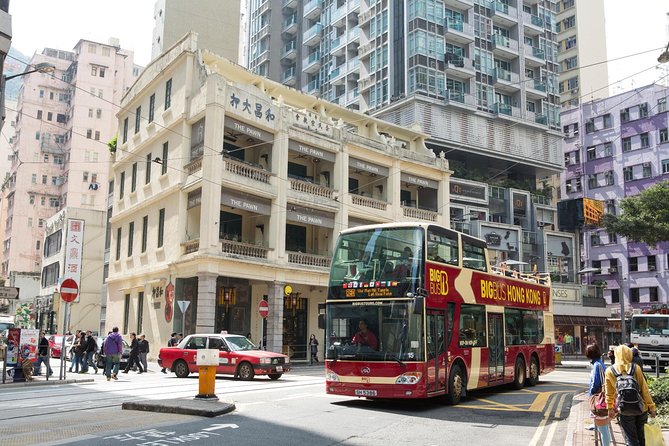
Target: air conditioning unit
<point>604,271</point>
<point>613,270</point>
<point>652,268</point>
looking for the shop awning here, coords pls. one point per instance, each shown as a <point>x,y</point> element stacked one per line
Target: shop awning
<point>588,321</point>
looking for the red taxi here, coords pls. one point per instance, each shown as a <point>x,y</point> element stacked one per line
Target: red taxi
<point>56,343</point>
<point>237,356</point>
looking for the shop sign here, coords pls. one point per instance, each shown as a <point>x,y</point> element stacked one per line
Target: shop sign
<point>467,190</point>
<point>368,167</point>
<point>418,181</point>
<point>564,295</point>
<point>246,202</point>
<point>310,217</point>
<point>239,101</point>
<point>246,129</point>
<point>197,139</point>
<point>493,239</point>
<point>519,202</point>
<point>311,151</point>
<point>73,250</point>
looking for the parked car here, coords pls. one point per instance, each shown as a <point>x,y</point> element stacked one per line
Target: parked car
<point>56,343</point>
<point>100,357</point>
<point>237,356</point>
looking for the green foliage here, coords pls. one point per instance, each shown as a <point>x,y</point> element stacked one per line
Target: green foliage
<point>645,217</point>
<point>112,144</point>
<point>659,390</point>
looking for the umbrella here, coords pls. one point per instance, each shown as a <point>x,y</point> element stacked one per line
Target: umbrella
<point>589,270</point>
<point>514,262</point>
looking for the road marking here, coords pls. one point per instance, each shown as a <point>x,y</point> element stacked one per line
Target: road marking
<point>215,427</point>
<point>554,423</point>
<point>540,429</point>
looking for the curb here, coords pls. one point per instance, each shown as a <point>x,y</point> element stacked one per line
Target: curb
<point>182,407</point>
<point>45,383</point>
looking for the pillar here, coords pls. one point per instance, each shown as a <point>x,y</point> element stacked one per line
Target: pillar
<point>275,317</point>
<point>206,302</point>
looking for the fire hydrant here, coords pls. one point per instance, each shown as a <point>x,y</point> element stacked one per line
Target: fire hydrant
<point>207,361</point>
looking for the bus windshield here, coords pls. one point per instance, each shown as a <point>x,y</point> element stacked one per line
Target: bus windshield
<point>381,262</point>
<point>650,325</point>
<point>374,331</point>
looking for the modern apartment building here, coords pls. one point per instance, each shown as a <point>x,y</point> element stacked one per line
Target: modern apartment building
<point>229,187</point>
<point>59,152</point>
<point>5,43</point>
<point>615,148</point>
<point>581,38</point>
<point>218,24</point>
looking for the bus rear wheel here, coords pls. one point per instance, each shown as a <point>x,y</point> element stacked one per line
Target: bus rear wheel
<point>456,386</point>
<point>519,374</point>
<point>533,377</point>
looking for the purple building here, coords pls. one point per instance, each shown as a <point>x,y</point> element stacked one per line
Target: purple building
<point>615,148</point>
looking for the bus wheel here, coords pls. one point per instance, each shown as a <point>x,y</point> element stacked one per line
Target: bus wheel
<point>519,374</point>
<point>533,377</point>
<point>456,386</point>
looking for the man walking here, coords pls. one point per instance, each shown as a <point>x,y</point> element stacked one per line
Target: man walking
<point>43,354</point>
<point>91,348</point>
<point>171,343</point>
<point>113,348</point>
<point>134,355</point>
<point>75,359</point>
<point>143,351</point>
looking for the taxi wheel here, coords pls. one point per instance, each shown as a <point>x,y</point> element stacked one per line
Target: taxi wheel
<point>274,376</point>
<point>519,374</point>
<point>533,377</point>
<point>245,371</point>
<point>456,386</point>
<point>181,369</point>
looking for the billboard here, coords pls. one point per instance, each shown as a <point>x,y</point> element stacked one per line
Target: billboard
<point>579,212</point>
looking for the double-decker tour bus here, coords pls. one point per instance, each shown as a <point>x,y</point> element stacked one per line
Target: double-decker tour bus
<point>414,310</point>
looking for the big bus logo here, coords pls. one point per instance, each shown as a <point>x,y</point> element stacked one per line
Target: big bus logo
<point>438,282</point>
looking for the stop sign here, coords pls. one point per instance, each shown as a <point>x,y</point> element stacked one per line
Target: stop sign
<point>69,290</point>
<point>263,308</point>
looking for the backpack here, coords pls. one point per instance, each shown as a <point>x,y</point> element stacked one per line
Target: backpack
<point>628,396</point>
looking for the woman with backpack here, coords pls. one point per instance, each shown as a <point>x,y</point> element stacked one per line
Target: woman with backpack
<point>601,420</point>
<point>626,387</point>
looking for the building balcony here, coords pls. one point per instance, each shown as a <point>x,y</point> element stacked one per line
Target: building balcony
<point>419,214</point>
<point>365,17</point>
<point>312,87</point>
<point>292,4</point>
<point>51,147</point>
<point>338,75</point>
<point>541,119</point>
<point>289,51</point>
<point>459,4</point>
<point>312,62</point>
<point>460,67</point>
<point>534,57</point>
<point>313,35</point>
<point>503,14</point>
<point>242,249</point>
<point>312,9</point>
<point>190,246</point>
<point>338,45</point>
<point>194,166</point>
<point>460,98</point>
<point>246,170</point>
<point>290,26</point>
<point>338,18</point>
<point>459,31</point>
<point>504,46</point>
<point>352,64</point>
<point>534,25</point>
<point>365,84</point>
<point>301,258</point>
<point>365,50</point>
<point>354,35</point>
<point>369,202</point>
<point>288,77</point>
<point>352,96</point>
<point>535,89</point>
<point>307,187</point>
<point>506,109</point>
<point>506,80</point>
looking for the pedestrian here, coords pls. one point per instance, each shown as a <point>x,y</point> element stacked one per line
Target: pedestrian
<point>568,339</point>
<point>313,347</point>
<point>89,354</point>
<point>624,380</point>
<point>143,351</point>
<point>75,361</point>
<point>612,355</point>
<point>43,354</point>
<point>171,342</point>
<point>636,357</point>
<point>133,360</point>
<point>81,351</point>
<point>601,422</point>
<point>112,348</point>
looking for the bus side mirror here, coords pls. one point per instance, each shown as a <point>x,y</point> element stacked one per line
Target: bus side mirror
<point>418,304</point>
<point>321,321</point>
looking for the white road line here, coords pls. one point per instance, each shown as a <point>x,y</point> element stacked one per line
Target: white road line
<point>554,423</point>
<point>540,429</point>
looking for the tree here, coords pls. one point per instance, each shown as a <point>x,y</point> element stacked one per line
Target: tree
<point>645,217</point>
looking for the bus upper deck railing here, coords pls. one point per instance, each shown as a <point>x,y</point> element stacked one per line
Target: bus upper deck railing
<point>540,278</point>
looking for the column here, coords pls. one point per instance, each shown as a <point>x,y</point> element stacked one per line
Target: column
<point>275,317</point>
<point>206,302</point>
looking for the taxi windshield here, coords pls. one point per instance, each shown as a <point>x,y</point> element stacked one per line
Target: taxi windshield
<point>239,343</point>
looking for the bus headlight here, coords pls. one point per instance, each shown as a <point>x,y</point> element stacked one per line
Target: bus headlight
<point>409,378</point>
<point>331,376</point>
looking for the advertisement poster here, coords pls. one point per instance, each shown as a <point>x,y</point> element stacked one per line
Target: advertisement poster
<point>29,341</point>
<point>13,338</point>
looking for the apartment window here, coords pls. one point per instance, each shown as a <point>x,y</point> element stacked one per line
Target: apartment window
<point>94,71</point>
<point>41,93</point>
<point>98,113</point>
<point>592,182</point>
<point>611,207</point>
<point>131,235</point>
<point>138,117</point>
<point>652,263</point>
<point>147,178</point>
<point>625,115</point>
<point>118,243</point>
<point>37,136</point>
<point>161,227</point>
<point>32,199</point>
<point>152,106</point>
<point>126,313</point>
<point>592,153</point>
<point>595,240</point>
<point>140,311</point>
<point>40,223</point>
<point>627,144</point>
<point>571,63</point>
<point>168,94</point>
<point>94,178</point>
<point>89,133</point>
<point>39,114</point>
<point>121,187</point>
<point>85,176</point>
<point>30,222</point>
<point>665,166</point>
<point>163,168</point>
<point>663,135</point>
<point>628,174</point>
<point>615,296</point>
<point>569,22</point>
<point>597,264</point>
<point>145,229</point>
<point>44,178</point>
<point>34,177</point>
<point>97,135</point>
<point>570,42</point>
<point>644,140</point>
<point>661,105</point>
<point>633,264</point>
<point>37,245</point>
<point>589,126</point>
<point>609,178</point>
<point>646,170</point>
<point>652,294</point>
<point>634,295</point>
<point>613,238</point>
<point>133,178</point>
<point>54,202</point>
<point>125,130</point>
<point>608,149</point>
<point>100,93</point>
<point>607,120</point>
<point>102,71</point>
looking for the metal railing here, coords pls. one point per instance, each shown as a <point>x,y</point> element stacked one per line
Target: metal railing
<point>244,249</point>
<point>369,202</point>
<point>311,188</point>
<point>302,258</point>
<point>421,214</point>
<point>246,170</point>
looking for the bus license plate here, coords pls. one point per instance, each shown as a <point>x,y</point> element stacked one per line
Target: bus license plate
<point>279,368</point>
<point>364,392</point>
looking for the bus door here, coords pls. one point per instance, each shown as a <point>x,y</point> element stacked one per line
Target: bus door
<point>495,348</point>
<point>436,350</point>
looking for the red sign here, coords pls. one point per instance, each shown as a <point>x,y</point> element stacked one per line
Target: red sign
<point>491,289</point>
<point>263,308</point>
<point>69,290</point>
<point>169,302</point>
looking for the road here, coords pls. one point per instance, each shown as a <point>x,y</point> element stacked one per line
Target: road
<point>293,410</point>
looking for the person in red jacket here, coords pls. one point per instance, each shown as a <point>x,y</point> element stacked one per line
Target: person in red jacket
<point>365,336</point>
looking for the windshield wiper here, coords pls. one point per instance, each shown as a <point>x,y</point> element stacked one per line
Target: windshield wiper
<point>398,360</point>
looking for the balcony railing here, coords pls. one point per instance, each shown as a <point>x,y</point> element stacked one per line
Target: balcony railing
<point>302,258</point>
<point>191,246</point>
<point>311,188</point>
<point>500,41</point>
<point>244,249</point>
<point>421,214</point>
<point>246,170</point>
<point>194,166</point>
<point>369,202</point>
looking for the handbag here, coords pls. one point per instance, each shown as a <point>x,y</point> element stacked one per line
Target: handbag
<point>653,434</point>
<point>598,400</point>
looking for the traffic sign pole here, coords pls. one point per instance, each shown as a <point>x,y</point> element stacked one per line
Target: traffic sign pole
<point>66,322</point>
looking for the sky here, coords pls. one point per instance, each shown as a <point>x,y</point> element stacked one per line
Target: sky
<point>60,24</point>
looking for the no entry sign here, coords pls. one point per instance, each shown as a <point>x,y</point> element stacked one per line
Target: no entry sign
<point>69,290</point>
<point>263,308</point>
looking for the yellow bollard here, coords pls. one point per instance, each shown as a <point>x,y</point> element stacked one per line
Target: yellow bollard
<point>207,361</point>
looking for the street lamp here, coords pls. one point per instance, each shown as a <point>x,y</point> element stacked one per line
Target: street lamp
<point>42,67</point>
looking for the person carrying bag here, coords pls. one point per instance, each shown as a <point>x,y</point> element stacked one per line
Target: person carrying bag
<point>596,390</point>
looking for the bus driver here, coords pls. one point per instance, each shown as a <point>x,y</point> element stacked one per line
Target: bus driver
<point>364,336</point>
